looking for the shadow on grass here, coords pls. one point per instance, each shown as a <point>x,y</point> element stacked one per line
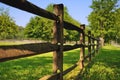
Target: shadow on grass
<point>71,57</point>
<point>31,68</point>
<point>105,66</point>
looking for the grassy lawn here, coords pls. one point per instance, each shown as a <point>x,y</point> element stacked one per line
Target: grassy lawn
<point>105,66</point>
<point>35,67</point>
<point>11,43</point>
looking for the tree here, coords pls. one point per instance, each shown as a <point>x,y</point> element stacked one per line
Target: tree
<point>8,28</point>
<point>20,34</point>
<point>102,18</point>
<point>68,35</point>
<point>39,27</point>
<point>117,25</point>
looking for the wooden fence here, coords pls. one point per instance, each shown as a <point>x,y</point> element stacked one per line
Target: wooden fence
<point>6,52</point>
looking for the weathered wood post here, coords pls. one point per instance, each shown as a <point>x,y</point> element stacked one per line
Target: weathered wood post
<point>58,39</point>
<point>89,45</point>
<point>82,49</point>
<point>93,45</point>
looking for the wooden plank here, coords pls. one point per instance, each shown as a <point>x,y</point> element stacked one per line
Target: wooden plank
<point>57,75</point>
<point>70,26</point>
<point>86,45</point>
<point>86,35</point>
<point>87,56</point>
<point>58,39</point>
<point>92,37</point>
<point>69,69</point>
<point>82,26</point>
<point>89,45</point>
<point>93,52</point>
<point>51,77</point>
<point>82,49</point>
<point>93,46</point>
<point>19,51</point>
<point>29,7</point>
<point>71,47</point>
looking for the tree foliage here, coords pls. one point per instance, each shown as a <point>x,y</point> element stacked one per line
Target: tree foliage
<point>117,25</point>
<point>102,18</point>
<point>39,27</point>
<point>68,35</point>
<point>20,34</point>
<point>8,28</point>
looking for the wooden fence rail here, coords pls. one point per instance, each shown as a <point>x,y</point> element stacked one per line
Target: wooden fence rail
<point>25,50</point>
<point>29,7</point>
<point>57,46</point>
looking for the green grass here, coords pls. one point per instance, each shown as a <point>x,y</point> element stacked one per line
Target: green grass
<point>11,43</point>
<point>35,67</point>
<point>105,66</point>
<point>31,68</point>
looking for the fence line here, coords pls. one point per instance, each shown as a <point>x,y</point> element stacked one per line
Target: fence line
<point>56,46</point>
<point>29,7</point>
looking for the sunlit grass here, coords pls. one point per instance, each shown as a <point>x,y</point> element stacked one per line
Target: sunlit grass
<point>105,66</point>
<point>11,43</point>
<point>7,43</point>
<point>31,68</point>
<point>35,67</point>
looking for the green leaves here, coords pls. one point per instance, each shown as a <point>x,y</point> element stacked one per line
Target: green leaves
<point>38,28</point>
<point>41,28</point>
<point>8,28</point>
<point>103,18</point>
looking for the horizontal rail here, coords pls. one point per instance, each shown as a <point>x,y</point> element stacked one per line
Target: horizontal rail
<point>86,57</point>
<point>70,69</point>
<point>91,37</point>
<point>51,77</point>
<point>71,47</point>
<point>18,51</point>
<point>86,45</point>
<point>93,51</point>
<point>56,76</point>
<point>70,26</point>
<point>93,44</point>
<point>29,7</point>
<point>89,55</point>
<point>90,45</point>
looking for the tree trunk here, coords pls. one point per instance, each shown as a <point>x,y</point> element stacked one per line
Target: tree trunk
<point>102,41</point>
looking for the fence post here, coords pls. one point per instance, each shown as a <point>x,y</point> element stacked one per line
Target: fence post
<point>58,39</point>
<point>97,47</point>
<point>82,49</point>
<point>93,45</point>
<point>89,45</point>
